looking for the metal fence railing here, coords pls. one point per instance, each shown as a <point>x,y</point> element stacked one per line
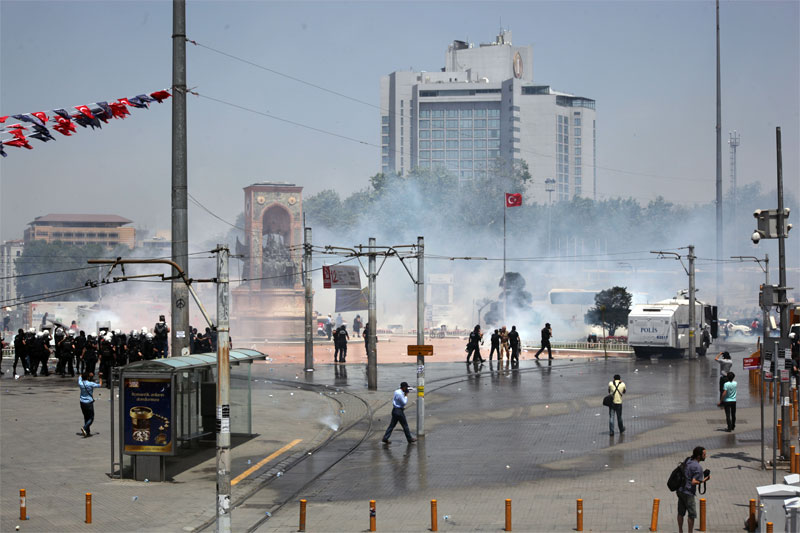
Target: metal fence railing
<point>583,346</point>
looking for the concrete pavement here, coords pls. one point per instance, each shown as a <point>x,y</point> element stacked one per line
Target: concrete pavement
<point>537,435</point>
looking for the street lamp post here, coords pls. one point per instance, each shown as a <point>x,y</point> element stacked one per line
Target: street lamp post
<point>550,187</point>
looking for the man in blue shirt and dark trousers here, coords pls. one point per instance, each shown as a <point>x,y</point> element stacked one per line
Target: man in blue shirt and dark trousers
<point>399,402</point>
<point>87,401</point>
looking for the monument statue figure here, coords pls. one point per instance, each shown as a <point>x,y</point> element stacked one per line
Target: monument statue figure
<point>277,267</point>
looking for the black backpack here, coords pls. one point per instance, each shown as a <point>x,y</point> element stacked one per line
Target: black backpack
<point>160,330</point>
<point>677,478</point>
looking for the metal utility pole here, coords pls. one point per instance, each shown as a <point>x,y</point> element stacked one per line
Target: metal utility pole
<point>309,296</point>
<point>372,339</point>
<point>420,335</point>
<point>223,394</point>
<point>692,319</point>
<point>719,175</point>
<point>505,293</point>
<point>180,228</point>
<point>733,143</point>
<point>784,310</point>
<point>549,186</point>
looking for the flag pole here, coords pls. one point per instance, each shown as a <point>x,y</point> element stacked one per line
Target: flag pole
<point>505,295</point>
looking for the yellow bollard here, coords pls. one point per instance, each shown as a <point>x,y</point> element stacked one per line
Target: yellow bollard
<point>23,505</point>
<point>654,517</point>
<point>797,462</point>
<point>769,527</point>
<point>702,515</point>
<point>580,515</point>
<point>372,515</point>
<point>434,517</point>
<point>88,507</point>
<point>751,519</point>
<point>302,526</point>
<point>508,514</point>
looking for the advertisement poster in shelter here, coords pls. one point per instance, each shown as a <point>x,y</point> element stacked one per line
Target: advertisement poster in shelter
<point>147,416</point>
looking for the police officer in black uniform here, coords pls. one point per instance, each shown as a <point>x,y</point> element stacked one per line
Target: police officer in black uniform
<point>89,354</point>
<point>495,344</point>
<point>80,344</point>
<point>20,352</point>
<point>513,339</point>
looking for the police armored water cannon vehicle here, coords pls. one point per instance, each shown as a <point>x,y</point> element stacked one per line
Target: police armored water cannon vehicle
<point>662,328</point>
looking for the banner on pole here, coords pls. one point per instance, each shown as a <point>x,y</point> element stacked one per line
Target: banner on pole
<point>352,300</point>
<point>341,277</point>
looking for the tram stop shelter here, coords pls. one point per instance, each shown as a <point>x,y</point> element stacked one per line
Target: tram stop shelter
<point>166,410</point>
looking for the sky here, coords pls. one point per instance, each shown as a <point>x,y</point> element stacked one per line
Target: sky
<point>650,66</point>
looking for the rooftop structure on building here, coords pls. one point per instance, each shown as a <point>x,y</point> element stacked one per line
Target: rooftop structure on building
<point>482,108</point>
<point>81,229</point>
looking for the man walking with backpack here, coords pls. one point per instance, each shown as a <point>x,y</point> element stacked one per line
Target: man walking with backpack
<point>694,476</point>
<point>161,334</point>
<point>616,388</point>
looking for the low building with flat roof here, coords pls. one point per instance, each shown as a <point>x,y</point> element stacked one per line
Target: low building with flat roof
<point>80,229</point>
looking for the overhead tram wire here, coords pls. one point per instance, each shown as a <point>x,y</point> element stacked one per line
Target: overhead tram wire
<point>363,102</point>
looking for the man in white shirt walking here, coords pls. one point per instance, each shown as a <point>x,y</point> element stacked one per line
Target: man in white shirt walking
<point>399,402</point>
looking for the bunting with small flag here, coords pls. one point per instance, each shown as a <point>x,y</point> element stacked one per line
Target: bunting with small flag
<point>92,115</point>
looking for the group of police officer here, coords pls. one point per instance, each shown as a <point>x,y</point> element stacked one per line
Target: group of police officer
<point>76,351</point>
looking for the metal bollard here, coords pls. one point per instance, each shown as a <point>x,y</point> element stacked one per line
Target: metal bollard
<point>434,517</point>
<point>797,462</point>
<point>769,527</point>
<point>654,517</point>
<point>580,515</point>
<point>702,515</point>
<point>23,505</point>
<point>372,515</point>
<point>792,465</point>
<point>508,515</point>
<point>88,507</point>
<point>302,526</point>
<point>751,519</point>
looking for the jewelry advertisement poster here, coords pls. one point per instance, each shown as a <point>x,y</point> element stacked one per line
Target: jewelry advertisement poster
<point>147,415</point>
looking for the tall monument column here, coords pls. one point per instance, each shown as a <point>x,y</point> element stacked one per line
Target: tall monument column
<point>270,303</point>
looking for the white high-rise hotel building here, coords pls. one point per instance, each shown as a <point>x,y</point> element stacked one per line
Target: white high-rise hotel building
<point>484,106</point>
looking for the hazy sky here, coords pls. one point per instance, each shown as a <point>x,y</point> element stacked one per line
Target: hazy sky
<point>649,65</point>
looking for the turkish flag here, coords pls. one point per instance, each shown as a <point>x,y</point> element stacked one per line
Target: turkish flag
<point>513,199</point>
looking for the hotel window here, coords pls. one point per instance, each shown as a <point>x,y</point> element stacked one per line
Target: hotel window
<point>452,113</point>
<point>494,112</point>
<point>466,123</point>
<point>384,151</point>
<point>577,151</point>
<point>437,154</point>
<point>479,113</point>
<point>385,139</point>
<point>577,161</point>
<point>438,134</point>
<point>452,154</point>
<point>422,145</point>
<point>577,132</point>
<point>424,113</point>
<point>494,123</point>
<point>437,123</point>
<point>384,129</point>
<point>424,124</point>
<point>384,119</point>
<point>494,134</point>
<point>480,154</point>
<point>466,134</point>
<point>577,121</point>
<point>452,165</point>
<point>466,113</point>
<point>438,113</point>
<point>452,134</point>
<point>437,145</point>
<point>452,144</point>
<point>424,134</point>
<point>577,141</point>
<point>466,154</point>
<point>452,123</point>
<point>480,123</point>
<point>466,144</point>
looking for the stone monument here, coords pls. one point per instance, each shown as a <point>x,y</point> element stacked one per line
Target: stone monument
<point>270,303</point>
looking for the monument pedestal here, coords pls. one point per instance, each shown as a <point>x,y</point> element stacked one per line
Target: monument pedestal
<point>273,314</point>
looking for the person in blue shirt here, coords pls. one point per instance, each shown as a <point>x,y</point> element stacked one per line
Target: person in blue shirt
<point>399,402</point>
<point>727,401</point>
<point>87,386</point>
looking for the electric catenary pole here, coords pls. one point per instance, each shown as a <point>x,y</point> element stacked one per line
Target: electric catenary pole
<point>180,232</point>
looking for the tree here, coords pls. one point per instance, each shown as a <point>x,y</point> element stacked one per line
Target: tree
<point>59,271</point>
<point>611,308</point>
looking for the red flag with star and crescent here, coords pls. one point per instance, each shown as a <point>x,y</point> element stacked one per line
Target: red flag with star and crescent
<point>513,199</point>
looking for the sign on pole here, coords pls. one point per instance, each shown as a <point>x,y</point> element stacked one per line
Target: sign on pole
<point>341,277</point>
<point>750,363</point>
<point>420,349</point>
